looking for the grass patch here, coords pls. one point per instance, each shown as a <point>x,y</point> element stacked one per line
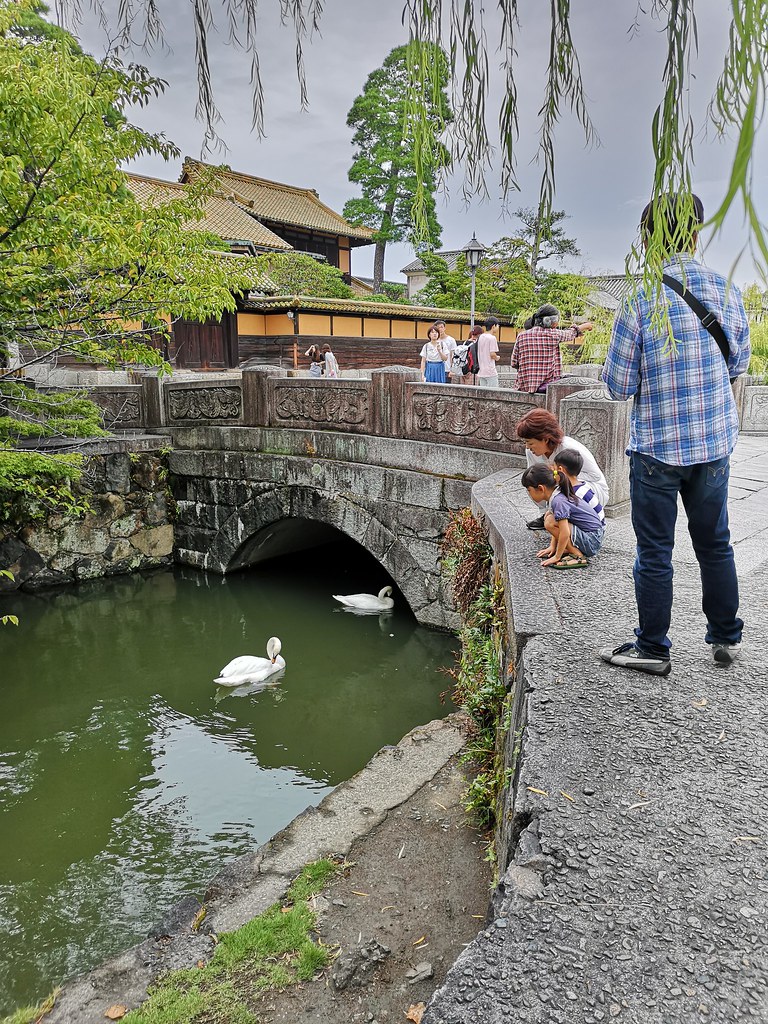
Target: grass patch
<point>271,951</point>
<point>32,1014</point>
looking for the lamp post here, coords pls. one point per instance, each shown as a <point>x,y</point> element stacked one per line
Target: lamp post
<point>474,252</point>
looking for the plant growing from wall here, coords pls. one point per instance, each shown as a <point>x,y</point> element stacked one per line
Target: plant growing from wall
<point>480,689</point>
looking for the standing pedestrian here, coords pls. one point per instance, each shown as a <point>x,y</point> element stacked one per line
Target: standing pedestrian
<point>449,347</point>
<point>488,355</point>
<point>536,355</point>
<point>433,358</point>
<point>315,361</point>
<point>684,426</point>
<point>331,365</point>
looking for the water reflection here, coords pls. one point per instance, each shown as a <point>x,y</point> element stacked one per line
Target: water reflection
<point>127,778</point>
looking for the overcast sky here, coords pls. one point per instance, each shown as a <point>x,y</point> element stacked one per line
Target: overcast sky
<point>602,188</point>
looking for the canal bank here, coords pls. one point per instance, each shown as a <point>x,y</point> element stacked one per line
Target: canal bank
<point>636,888</point>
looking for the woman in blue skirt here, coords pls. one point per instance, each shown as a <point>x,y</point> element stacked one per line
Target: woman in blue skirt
<point>433,359</point>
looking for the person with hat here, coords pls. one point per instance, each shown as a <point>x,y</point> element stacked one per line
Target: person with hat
<point>536,355</point>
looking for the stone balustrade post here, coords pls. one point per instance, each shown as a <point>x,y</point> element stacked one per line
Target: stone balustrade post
<point>739,387</point>
<point>601,424</point>
<point>256,411</point>
<point>152,400</point>
<point>389,399</point>
<point>564,387</point>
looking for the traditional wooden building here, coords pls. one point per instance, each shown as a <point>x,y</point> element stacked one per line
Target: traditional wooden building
<point>252,215</point>
<point>294,215</point>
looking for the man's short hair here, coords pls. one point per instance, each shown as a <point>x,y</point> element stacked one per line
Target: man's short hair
<point>491,322</point>
<point>682,215</point>
<point>439,323</point>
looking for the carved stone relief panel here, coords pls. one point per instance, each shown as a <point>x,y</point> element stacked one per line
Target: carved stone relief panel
<point>323,405</point>
<point>755,409</point>
<point>121,408</point>
<point>477,420</point>
<point>204,403</point>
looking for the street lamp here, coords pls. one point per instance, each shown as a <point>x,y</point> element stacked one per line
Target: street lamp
<point>474,252</point>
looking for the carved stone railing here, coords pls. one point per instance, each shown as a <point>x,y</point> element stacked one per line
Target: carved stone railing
<point>123,405</point>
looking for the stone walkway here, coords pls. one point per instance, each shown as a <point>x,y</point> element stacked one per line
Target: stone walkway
<point>639,890</point>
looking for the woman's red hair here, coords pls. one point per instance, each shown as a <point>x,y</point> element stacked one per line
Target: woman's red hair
<point>541,425</point>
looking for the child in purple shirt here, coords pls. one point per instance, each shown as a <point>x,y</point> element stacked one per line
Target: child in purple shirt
<point>575,528</point>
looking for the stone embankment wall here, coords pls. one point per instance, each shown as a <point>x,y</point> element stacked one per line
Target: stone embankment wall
<point>129,526</point>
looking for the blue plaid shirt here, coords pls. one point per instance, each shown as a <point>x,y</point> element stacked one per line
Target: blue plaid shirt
<point>684,412</point>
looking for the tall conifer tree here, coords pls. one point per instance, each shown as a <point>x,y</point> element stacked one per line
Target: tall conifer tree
<point>387,164</point>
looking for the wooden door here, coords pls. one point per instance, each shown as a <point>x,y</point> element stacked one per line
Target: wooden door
<point>211,345</point>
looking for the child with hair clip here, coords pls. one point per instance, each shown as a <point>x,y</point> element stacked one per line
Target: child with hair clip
<point>569,461</point>
<point>575,528</point>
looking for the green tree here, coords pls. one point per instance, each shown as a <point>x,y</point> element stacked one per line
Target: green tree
<point>84,269</point>
<point>388,165</point>
<point>542,237</point>
<point>299,274</point>
<point>566,291</point>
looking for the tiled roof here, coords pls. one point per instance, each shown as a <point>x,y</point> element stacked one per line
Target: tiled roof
<point>450,256</point>
<point>403,311</point>
<point>616,285</point>
<point>278,203</point>
<point>221,216</point>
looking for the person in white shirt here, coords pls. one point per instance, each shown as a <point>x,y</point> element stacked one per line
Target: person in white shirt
<point>331,365</point>
<point>488,355</point>
<point>433,358</point>
<point>449,347</point>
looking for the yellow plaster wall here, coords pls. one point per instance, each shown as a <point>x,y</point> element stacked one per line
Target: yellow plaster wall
<point>250,323</point>
<point>344,256</point>
<point>347,326</point>
<point>376,328</point>
<point>314,323</point>
<point>405,329</point>
<point>277,323</point>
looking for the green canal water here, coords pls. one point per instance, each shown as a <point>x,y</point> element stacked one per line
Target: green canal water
<point>127,778</point>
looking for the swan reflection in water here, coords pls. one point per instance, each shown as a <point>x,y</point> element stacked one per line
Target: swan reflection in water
<point>250,688</point>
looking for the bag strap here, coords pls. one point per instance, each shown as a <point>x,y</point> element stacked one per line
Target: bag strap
<point>707,317</point>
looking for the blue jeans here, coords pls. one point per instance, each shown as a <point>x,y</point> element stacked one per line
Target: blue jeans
<point>654,487</point>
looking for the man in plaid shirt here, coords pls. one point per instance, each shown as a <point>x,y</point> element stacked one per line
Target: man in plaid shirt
<point>536,354</point>
<point>684,426</point>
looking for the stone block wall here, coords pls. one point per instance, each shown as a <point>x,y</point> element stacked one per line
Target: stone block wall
<point>128,528</point>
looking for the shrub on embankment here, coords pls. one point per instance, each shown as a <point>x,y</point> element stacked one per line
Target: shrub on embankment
<point>480,688</point>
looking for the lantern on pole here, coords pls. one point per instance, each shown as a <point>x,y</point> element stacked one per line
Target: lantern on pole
<point>474,252</point>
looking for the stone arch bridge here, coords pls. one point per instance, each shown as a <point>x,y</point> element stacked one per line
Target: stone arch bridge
<point>263,463</point>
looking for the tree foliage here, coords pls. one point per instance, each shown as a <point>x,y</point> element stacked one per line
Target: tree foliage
<point>389,166</point>
<point>543,237</point>
<point>84,269</point>
<point>294,273</point>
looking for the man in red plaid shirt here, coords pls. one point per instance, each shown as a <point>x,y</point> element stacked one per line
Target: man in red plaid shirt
<point>536,354</point>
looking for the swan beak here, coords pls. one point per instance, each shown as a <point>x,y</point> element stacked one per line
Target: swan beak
<point>274,659</point>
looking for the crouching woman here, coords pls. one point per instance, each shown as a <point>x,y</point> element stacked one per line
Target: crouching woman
<point>575,529</point>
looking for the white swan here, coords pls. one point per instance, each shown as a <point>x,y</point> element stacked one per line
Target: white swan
<point>367,602</point>
<point>253,670</point>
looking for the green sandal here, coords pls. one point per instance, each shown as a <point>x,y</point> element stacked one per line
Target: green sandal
<point>571,562</point>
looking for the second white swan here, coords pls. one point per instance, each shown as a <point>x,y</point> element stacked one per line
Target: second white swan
<point>367,602</point>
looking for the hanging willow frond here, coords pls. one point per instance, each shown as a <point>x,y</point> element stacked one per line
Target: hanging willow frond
<point>740,100</point>
<point>672,135</point>
<point>509,126</point>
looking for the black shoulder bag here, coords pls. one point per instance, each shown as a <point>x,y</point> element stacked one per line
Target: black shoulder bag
<point>707,317</point>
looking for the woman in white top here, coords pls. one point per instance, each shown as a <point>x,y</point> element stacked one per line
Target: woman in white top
<point>331,365</point>
<point>544,438</point>
<point>433,358</point>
